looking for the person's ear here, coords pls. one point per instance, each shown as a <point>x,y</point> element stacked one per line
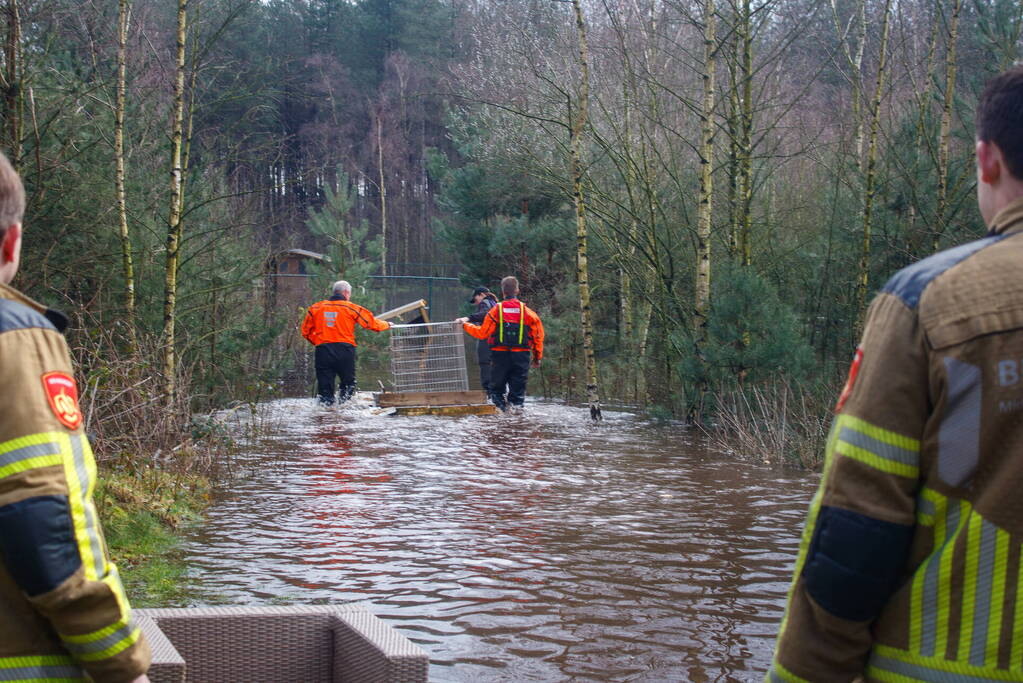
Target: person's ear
<point>989,162</point>
<point>9,245</point>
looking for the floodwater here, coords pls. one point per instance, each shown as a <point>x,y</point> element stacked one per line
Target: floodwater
<point>514,548</point>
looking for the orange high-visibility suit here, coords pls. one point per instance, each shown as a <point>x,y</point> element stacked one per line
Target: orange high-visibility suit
<point>330,326</point>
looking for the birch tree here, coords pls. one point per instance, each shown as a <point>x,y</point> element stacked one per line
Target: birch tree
<point>123,20</point>
<point>175,225</point>
<point>582,265</point>
<point>705,205</point>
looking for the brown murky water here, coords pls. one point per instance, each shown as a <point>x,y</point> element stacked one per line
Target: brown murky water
<point>515,548</point>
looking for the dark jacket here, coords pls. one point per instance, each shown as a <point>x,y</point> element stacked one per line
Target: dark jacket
<point>482,308</point>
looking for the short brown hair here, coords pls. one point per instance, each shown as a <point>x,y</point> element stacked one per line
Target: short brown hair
<point>12,195</point>
<point>509,286</point>
<point>1000,117</point>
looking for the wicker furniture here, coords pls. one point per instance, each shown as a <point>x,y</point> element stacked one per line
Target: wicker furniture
<point>303,644</point>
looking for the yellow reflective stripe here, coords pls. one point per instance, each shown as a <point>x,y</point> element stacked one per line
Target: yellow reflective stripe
<point>969,603</point>
<point>885,659</point>
<point>76,496</point>
<point>1000,569</point>
<point>48,668</point>
<point>116,648</point>
<point>779,673</point>
<point>811,522</point>
<point>500,326</point>
<point>113,582</point>
<point>1016,650</point>
<point>930,512</point>
<point>30,452</point>
<point>945,578</point>
<point>878,448</point>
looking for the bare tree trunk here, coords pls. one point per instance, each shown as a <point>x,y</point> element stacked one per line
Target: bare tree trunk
<point>383,195</point>
<point>174,221</point>
<point>871,172</point>
<point>855,61</point>
<point>123,19</point>
<point>704,213</point>
<point>12,85</point>
<point>582,265</point>
<point>944,141</point>
<point>745,37</point>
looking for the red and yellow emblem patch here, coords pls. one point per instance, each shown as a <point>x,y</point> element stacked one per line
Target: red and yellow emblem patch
<point>854,370</point>
<point>63,397</point>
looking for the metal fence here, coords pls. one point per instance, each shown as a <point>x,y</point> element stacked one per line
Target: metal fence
<point>428,357</point>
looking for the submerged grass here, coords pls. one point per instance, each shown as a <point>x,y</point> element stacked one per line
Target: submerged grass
<point>142,513</point>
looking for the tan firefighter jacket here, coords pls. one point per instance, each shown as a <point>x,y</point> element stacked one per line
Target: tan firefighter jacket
<point>910,564</point>
<point>63,611</point>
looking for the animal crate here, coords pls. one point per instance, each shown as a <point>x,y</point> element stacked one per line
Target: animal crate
<point>428,357</point>
<point>429,374</point>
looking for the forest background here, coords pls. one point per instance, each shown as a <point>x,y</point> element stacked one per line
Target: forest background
<point>699,196</point>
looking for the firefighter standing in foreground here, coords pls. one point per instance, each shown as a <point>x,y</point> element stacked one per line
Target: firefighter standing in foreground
<point>329,325</point>
<point>64,612</point>
<point>910,567</point>
<point>513,330</point>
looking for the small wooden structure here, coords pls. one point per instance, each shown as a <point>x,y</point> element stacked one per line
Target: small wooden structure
<point>436,402</point>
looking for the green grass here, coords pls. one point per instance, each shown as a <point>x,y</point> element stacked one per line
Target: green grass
<point>142,514</point>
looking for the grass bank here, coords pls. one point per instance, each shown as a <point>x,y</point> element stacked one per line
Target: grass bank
<point>142,514</point>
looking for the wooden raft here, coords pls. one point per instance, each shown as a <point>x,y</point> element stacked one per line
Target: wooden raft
<point>437,403</point>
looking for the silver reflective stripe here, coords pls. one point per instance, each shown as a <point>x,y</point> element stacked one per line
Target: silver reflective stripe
<point>985,588</point>
<point>926,673</point>
<point>879,448</point>
<point>959,435</point>
<point>929,594</point>
<point>42,672</point>
<point>114,638</point>
<point>27,452</point>
<point>91,525</point>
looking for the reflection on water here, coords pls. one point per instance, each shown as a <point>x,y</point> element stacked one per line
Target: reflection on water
<point>515,548</point>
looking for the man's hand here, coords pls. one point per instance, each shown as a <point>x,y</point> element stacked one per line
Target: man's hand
<point>141,679</point>
<point>461,320</point>
<point>536,362</point>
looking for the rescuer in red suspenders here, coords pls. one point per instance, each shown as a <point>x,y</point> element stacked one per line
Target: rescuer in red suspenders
<point>513,330</point>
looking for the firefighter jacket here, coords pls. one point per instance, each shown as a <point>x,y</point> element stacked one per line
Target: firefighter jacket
<point>528,333</point>
<point>910,564</point>
<point>63,611</point>
<point>333,320</point>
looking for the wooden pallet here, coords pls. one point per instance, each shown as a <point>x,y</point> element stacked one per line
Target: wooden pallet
<point>482,409</point>
<point>436,402</point>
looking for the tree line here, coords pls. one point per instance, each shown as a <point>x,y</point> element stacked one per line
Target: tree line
<point>699,196</point>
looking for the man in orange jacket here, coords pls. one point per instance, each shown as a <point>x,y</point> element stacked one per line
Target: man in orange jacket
<point>329,325</point>
<point>513,330</point>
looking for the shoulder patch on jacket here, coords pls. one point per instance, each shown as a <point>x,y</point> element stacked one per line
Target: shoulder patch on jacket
<point>909,283</point>
<point>62,393</point>
<point>18,316</point>
<point>854,562</point>
<point>38,543</point>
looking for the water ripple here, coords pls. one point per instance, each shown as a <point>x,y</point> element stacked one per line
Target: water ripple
<point>528,548</point>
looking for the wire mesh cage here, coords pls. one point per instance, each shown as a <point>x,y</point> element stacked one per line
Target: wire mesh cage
<point>428,357</point>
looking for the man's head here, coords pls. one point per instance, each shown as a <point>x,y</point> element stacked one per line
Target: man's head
<point>343,289</point>
<point>12,208</point>
<point>999,125</point>
<point>510,287</point>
